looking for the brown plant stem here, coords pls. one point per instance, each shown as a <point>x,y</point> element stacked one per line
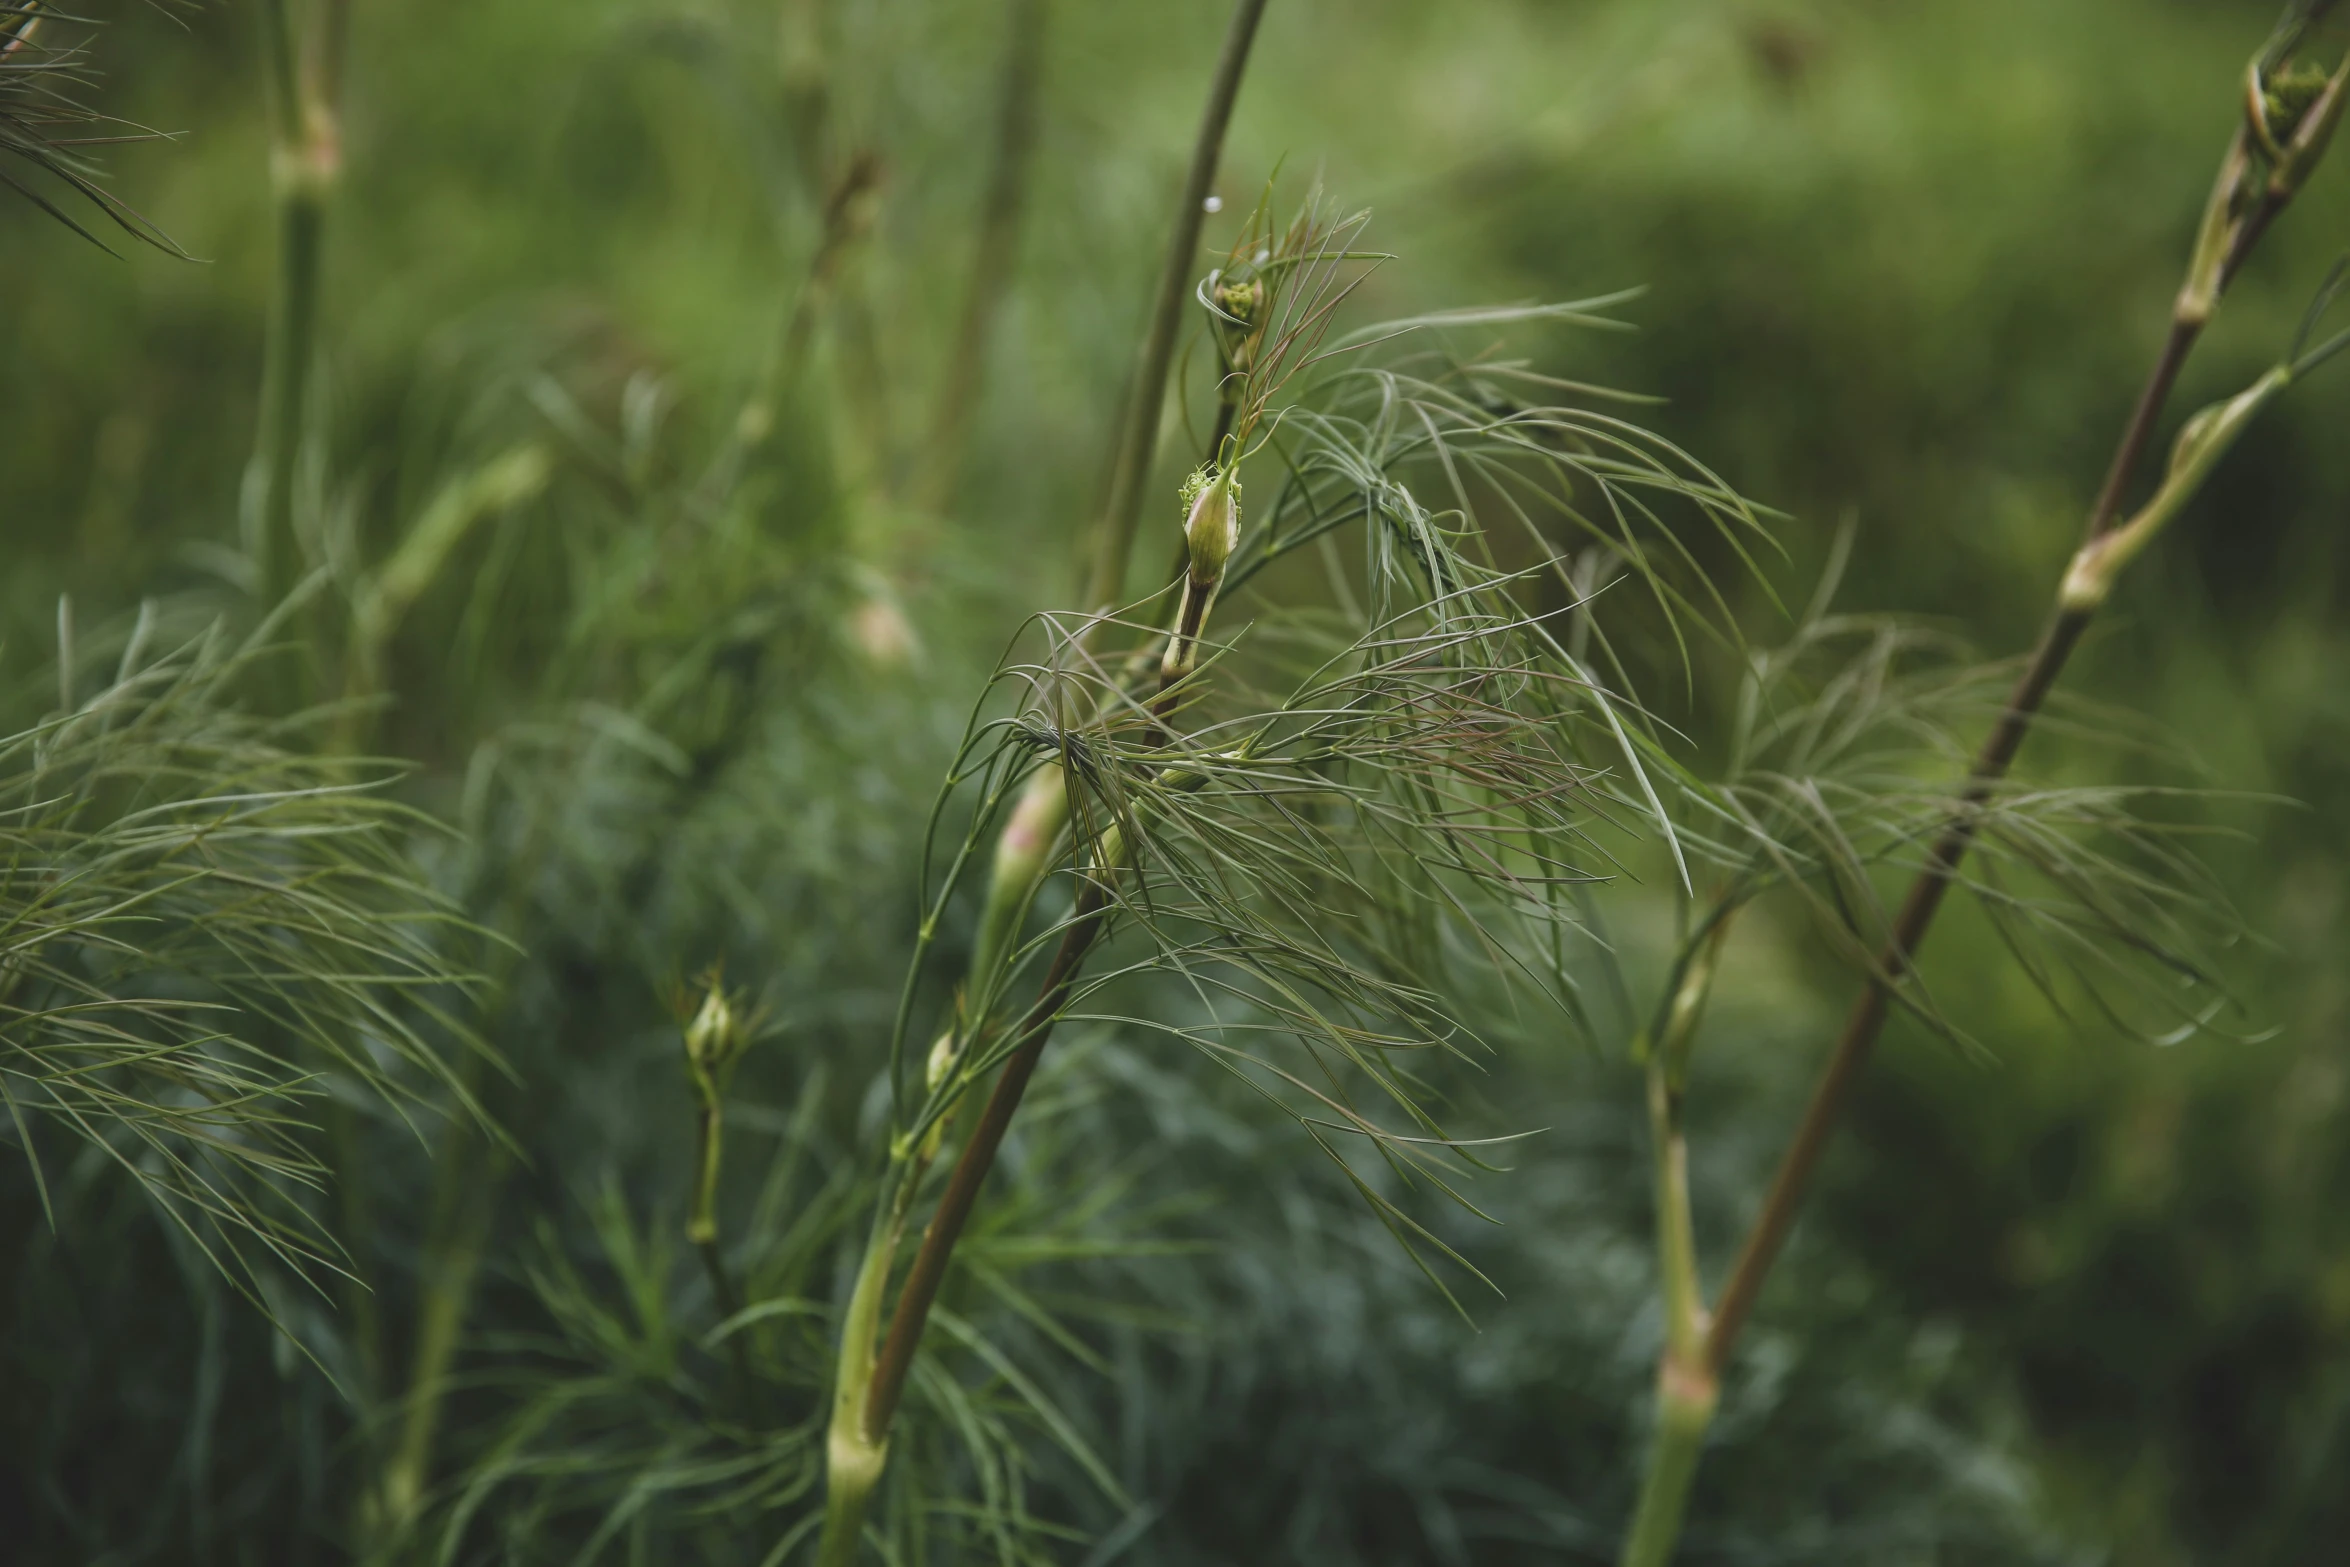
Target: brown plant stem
<point>1138,440</point>
<point>1867,1021</point>
<point>2241,219</point>
<point>2246,199</point>
<point>869,1385</point>
<point>2187,323</point>
<point>2184,330</point>
<point>923,1279</point>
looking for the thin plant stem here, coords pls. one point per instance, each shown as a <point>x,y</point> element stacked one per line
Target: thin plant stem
<point>869,1382</point>
<point>1916,916</point>
<point>463,1213</point>
<point>1926,892</point>
<point>1138,441</point>
<point>1687,1387</point>
<point>912,1313</point>
<point>305,165</point>
<point>2235,220</point>
<point>2187,322</point>
<point>1685,1412</point>
<point>852,1462</point>
<point>847,215</point>
<point>355,1198</point>
<point>993,258</point>
<point>2152,399</point>
<point>469,1170</point>
<point>864,1408</point>
<point>702,1230</point>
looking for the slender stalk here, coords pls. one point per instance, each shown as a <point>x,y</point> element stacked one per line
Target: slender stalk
<point>2245,201</point>
<point>848,214</point>
<point>2078,599</point>
<point>853,1461</point>
<point>865,1401</point>
<point>1867,1021</point>
<point>469,1169</point>
<point>1686,1397</point>
<point>1687,1388</point>
<point>305,166</point>
<point>870,1383</point>
<point>978,1157</point>
<point>2152,399</point>
<point>1138,441</point>
<point>992,258</point>
<point>461,1229</point>
<point>2232,243</point>
<point>702,1230</point>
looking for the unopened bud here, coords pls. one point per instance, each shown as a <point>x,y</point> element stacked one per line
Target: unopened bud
<point>943,1051</point>
<point>1212,532</point>
<point>1023,853</point>
<point>1213,527</point>
<point>2289,95</point>
<point>1241,300</point>
<point>715,1036</point>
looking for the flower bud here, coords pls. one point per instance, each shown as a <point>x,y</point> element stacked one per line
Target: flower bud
<point>715,1037</point>
<point>2287,96</point>
<point>1212,532</point>
<point>943,1051</point>
<point>1023,853</point>
<point>1237,328</point>
<point>1213,527</point>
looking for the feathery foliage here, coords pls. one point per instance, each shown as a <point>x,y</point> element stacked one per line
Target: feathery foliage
<point>208,934</point>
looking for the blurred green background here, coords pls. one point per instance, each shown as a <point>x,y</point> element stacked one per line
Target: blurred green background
<point>2086,1301</point>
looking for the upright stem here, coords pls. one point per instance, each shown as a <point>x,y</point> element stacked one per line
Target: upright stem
<point>468,1169</point>
<point>1867,1020</point>
<point>2188,319</point>
<point>2184,329</point>
<point>978,1157</point>
<point>1138,441</point>
<point>992,259</point>
<point>1687,1388</point>
<point>1926,892</point>
<point>2236,217</point>
<point>853,1461</point>
<point>356,1200</point>
<point>701,1228</point>
<point>461,1229</point>
<point>305,165</point>
<point>870,1385</point>
<point>1686,1397</point>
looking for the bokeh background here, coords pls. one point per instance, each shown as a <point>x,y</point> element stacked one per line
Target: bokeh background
<point>2076,1299</point>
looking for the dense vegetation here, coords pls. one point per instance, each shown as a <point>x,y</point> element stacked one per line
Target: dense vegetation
<point>471,846</point>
